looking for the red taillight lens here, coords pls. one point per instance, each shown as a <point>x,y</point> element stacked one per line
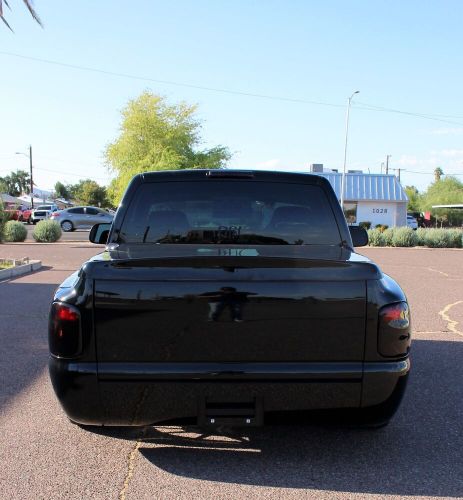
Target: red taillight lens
<point>64,333</point>
<point>394,330</point>
<point>65,313</point>
<point>396,315</point>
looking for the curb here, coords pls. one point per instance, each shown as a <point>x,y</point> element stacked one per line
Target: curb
<point>14,272</point>
<point>67,242</point>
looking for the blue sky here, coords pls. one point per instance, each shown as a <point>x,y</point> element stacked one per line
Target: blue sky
<point>400,55</point>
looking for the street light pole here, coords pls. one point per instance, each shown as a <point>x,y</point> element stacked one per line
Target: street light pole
<point>32,182</point>
<point>343,182</point>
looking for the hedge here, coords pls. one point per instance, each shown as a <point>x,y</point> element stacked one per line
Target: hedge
<point>407,237</point>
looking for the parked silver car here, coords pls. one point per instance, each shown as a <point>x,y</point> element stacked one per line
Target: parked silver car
<point>81,217</point>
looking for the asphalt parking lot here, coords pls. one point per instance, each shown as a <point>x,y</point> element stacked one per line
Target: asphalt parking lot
<point>419,455</point>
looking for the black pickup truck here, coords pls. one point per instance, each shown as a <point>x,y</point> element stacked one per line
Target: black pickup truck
<point>228,297</point>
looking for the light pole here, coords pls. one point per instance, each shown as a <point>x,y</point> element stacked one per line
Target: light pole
<point>30,167</point>
<point>343,182</point>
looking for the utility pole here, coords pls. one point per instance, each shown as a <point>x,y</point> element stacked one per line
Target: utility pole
<point>387,164</point>
<point>32,182</point>
<point>397,170</point>
<point>382,165</point>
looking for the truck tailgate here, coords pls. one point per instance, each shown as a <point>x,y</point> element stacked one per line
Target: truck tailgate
<point>152,312</point>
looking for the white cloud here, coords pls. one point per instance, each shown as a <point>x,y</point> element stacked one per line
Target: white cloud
<point>407,161</point>
<point>273,164</point>
<point>447,131</point>
<point>451,153</point>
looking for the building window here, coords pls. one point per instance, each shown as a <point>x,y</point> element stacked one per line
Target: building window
<point>350,212</point>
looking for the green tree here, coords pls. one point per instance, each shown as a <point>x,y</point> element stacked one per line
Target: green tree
<point>3,186</point>
<point>413,199</point>
<point>157,136</point>
<point>61,190</point>
<point>16,183</point>
<point>89,192</point>
<point>446,191</point>
<point>28,4</point>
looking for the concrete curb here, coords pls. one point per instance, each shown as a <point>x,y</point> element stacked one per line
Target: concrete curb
<point>14,272</point>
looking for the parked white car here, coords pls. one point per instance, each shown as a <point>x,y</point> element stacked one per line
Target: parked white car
<point>42,212</point>
<point>412,222</point>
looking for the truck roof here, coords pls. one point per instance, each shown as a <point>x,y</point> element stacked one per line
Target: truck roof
<point>260,175</point>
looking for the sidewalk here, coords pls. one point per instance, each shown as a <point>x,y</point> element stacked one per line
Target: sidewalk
<point>66,255</point>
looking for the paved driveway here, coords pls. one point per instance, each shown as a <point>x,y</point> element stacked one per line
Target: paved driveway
<point>418,455</point>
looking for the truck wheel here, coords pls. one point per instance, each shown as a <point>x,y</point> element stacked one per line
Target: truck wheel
<point>67,226</point>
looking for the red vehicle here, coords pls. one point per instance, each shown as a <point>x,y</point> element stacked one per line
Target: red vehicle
<point>15,214</point>
<point>27,215</point>
<point>18,213</point>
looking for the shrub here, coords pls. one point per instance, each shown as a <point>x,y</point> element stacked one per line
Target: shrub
<point>47,231</point>
<point>14,231</point>
<point>381,227</point>
<point>455,238</point>
<point>403,237</point>
<point>421,236</point>
<point>437,238</point>
<point>365,224</point>
<point>388,233</point>
<point>2,221</point>
<point>376,238</point>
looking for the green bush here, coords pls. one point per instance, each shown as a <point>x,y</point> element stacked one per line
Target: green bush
<point>443,238</point>
<point>376,238</point>
<point>456,238</point>
<point>381,227</point>
<point>388,234</point>
<point>14,231</point>
<point>47,231</point>
<point>421,236</point>
<point>2,221</point>
<point>365,224</point>
<point>403,237</point>
<point>437,238</point>
<point>407,237</point>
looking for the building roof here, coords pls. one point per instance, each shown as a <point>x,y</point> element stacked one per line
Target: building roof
<point>367,187</point>
<point>6,198</point>
<point>458,205</point>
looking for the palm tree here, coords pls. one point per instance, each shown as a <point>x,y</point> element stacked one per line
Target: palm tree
<point>28,4</point>
<point>438,172</point>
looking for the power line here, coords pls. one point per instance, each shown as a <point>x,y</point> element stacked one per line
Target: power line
<point>426,173</point>
<point>171,82</point>
<point>371,107</point>
<point>359,105</point>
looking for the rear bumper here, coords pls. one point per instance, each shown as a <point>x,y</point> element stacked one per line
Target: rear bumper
<point>146,393</point>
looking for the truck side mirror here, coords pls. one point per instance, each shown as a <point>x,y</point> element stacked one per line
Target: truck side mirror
<point>359,236</point>
<point>99,233</point>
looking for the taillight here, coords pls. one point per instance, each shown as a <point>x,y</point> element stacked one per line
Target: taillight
<point>64,333</point>
<point>394,330</point>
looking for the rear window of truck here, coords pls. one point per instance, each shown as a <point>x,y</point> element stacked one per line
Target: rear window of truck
<point>230,212</point>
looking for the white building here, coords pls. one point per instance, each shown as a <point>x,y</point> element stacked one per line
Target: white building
<point>375,198</point>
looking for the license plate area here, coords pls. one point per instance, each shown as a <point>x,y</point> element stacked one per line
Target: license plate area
<point>229,413</point>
